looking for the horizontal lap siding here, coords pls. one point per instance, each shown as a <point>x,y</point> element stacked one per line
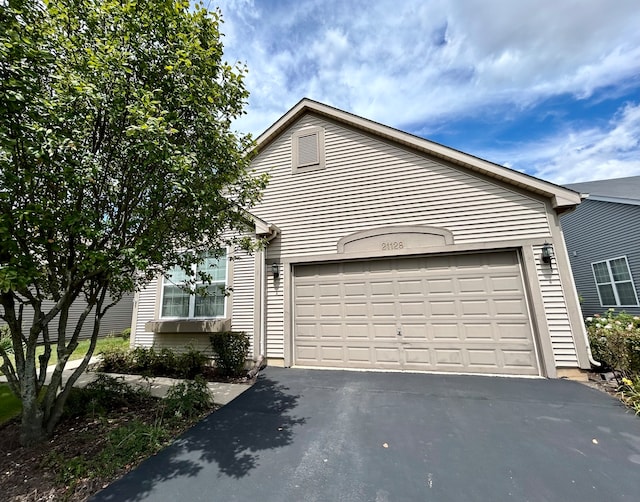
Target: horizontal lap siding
<point>114,322</point>
<point>556,313</point>
<point>368,183</point>
<point>243,293</point>
<point>145,308</point>
<point>597,231</point>
<point>275,316</point>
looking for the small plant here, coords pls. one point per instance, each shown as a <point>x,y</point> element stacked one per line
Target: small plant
<point>190,364</point>
<point>629,392</point>
<point>188,399</point>
<point>114,360</point>
<point>126,333</point>
<point>230,351</point>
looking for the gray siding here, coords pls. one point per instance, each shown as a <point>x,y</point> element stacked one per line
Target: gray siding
<point>115,320</point>
<point>598,231</point>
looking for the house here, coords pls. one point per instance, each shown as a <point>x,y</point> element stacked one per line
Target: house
<point>387,252</point>
<point>603,239</point>
<point>117,318</point>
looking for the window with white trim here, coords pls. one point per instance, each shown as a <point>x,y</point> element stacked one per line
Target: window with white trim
<point>307,149</point>
<point>614,283</point>
<point>182,302</point>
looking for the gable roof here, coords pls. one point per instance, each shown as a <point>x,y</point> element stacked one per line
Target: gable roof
<point>562,199</point>
<point>620,190</point>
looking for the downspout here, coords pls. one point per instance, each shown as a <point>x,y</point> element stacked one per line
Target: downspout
<point>274,231</point>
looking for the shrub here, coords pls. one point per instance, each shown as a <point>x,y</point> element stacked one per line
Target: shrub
<point>115,360</point>
<point>615,341</point>
<point>149,362</point>
<point>230,351</point>
<point>125,333</point>
<point>103,394</point>
<point>190,364</point>
<point>188,399</point>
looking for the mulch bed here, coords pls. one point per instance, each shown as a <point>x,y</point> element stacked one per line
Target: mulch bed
<point>26,474</point>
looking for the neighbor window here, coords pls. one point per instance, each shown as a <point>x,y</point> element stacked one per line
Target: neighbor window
<point>614,282</point>
<point>178,302</point>
<point>307,149</point>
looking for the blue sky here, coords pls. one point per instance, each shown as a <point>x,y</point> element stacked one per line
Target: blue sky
<point>551,88</point>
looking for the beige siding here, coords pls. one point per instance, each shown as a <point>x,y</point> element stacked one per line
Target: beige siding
<point>275,314</point>
<point>145,312</point>
<point>555,309</point>
<point>183,342</point>
<point>369,183</point>
<point>243,293</point>
<point>243,283</point>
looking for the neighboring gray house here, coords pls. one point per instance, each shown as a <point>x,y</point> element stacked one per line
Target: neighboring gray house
<point>114,322</point>
<point>603,240</point>
<point>386,251</point>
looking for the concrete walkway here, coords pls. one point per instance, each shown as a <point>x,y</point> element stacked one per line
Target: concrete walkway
<point>223,393</point>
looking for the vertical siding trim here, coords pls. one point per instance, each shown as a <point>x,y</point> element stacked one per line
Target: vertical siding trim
<point>537,313</point>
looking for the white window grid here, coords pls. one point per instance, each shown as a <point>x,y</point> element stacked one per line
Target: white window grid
<point>613,283</point>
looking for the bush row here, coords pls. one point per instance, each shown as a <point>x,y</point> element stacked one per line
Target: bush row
<point>229,349</point>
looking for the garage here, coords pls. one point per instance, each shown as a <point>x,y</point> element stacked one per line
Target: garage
<point>456,313</point>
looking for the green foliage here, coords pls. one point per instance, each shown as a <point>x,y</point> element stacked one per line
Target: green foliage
<point>126,333</point>
<point>103,394</point>
<point>230,351</point>
<point>149,362</point>
<point>188,399</point>
<point>629,392</point>
<point>116,143</point>
<point>5,340</point>
<point>615,341</point>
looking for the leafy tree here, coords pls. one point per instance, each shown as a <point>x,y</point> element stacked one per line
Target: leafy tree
<point>116,153</point>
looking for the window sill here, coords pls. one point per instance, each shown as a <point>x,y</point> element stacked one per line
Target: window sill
<point>189,326</point>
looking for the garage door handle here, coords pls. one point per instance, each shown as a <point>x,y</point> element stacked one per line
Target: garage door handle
<point>399,332</point>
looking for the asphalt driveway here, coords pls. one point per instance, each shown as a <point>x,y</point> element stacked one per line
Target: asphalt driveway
<point>304,435</point>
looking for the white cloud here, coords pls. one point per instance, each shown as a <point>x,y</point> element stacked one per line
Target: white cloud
<point>418,65</point>
<point>612,151</point>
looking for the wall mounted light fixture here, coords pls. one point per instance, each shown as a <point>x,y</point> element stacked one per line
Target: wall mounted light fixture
<point>547,253</point>
<point>275,270</point>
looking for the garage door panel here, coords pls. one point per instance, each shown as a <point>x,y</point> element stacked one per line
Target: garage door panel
<point>454,313</point>
<point>443,308</point>
<point>475,308</point>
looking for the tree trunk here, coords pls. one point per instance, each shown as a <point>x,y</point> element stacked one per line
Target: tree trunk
<point>32,429</point>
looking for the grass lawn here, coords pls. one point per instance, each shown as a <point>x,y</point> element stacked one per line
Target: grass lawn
<point>102,344</point>
<point>9,404</point>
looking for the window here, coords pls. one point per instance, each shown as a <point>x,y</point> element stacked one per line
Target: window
<point>180,303</point>
<point>308,149</point>
<point>614,282</point>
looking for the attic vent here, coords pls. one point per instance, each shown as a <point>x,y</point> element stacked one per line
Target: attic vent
<point>308,149</point>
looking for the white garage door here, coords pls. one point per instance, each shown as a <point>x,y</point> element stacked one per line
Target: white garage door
<point>463,313</point>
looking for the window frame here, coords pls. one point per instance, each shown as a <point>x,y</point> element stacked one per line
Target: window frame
<point>613,282</point>
<point>296,165</point>
<point>192,295</point>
